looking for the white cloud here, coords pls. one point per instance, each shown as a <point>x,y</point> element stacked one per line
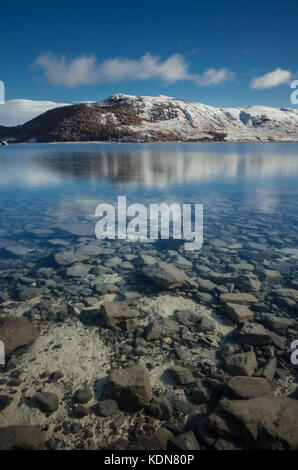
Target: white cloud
<point>86,70</point>
<point>215,77</point>
<point>14,112</point>
<point>271,79</point>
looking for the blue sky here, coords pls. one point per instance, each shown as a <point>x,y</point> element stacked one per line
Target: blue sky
<point>202,51</point>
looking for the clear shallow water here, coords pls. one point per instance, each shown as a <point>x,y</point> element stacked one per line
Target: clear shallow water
<point>44,185</point>
<point>250,202</point>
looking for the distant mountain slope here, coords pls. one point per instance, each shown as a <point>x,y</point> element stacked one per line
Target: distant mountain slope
<point>159,118</point>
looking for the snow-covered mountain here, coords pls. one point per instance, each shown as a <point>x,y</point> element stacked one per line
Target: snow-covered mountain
<point>158,118</point>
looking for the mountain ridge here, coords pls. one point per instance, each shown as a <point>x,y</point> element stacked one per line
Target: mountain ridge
<point>130,118</point>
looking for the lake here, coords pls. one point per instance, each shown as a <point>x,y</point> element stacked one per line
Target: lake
<point>182,311</point>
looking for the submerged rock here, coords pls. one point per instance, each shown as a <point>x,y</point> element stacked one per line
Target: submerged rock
<point>248,282</point>
<point>241,363</point>
<point>5,401</point>
<point>167,275</point>
<point>182,375</point>
<point>239,298</point>
<point>16,250</point>
<point>156,441</point>
<point>83,395</point>
<point>254,334</point>
<point>21,438</point>
<point>116,312</point>
<point>160,408</point>
<point>248,387</point>
<point>185,441</point>
<point>131,388</point>
<point>265,423</point>
<point>16,333</point>
<point>78,270</point>
<point>47,401</point>
<point>238,313</point>
<point>163,328</point>
<point>67,257</point>
<point>107,408</point>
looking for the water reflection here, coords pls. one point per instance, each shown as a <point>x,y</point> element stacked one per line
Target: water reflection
<point>145,167</point>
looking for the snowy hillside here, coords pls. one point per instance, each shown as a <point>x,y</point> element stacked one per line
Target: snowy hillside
<point>160,118</point>
<point>188,120</point>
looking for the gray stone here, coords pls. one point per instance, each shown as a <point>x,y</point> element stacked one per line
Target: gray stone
<point>107,408</point>
<point>80,411</point>
<point>131,388</point>
<point>160,408</point>
<point>16,333</point>
<point>78,270</point>
<point>183,406</point>
<point>26,293</point>
<point>167,276</point>
<point>112,262</point>
<point>161,329</point>
<point>145,260</point>
<point>248,282</point>
<point>263,423</point>
<point>199,395</point>
<point>67,257</point>
<point>277,323</point>
<point>83,396</point>
<point>185,441</point>
<point>239,298</point>
<point>21,438</point>
<point>207,325</point>
<point>254,334</point>
<point>269,369</point>
<point>269,275</point>
<point>238,313</point>
<point>47,401</point>
<point>116,312</point>
<point>5,401</point>
<point>16,250</point>
<point>244,388</point>
<point>206,286</point>
<point>182,375</point>
<point>241,363</point>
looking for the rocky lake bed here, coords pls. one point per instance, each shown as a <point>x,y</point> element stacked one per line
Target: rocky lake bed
<point>142,344</point>
<point>126,345</point>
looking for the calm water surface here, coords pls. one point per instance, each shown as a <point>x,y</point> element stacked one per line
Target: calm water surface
<point>249,191</point>
<point>42,185</point>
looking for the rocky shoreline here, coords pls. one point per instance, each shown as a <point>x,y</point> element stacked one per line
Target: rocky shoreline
<point>129,346</point>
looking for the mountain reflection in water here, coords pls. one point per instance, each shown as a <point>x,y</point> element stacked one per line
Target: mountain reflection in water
<point>157,166</point>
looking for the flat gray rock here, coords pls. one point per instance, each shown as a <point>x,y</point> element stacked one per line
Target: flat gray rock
<point>240,298</point>
<point>244,388</point>
<point>163,328</point>
<point>185,441</point>
<point>16,250</point>
<point>21,438</point>
<point>116,312</point>
<point>131,388</point>
<point>263,423</point>
<point>182,375</point>
<point>254,334</point>
<point>15,333</point>
<point>78,270</point>
<point>167,275</point>
<point>238,313</point>
<point>241,363</point>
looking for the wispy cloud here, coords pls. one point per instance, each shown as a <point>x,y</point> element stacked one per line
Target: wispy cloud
<point>15,112</point>
<point>272,79</point>
<point>86,70</point>
<point>215,77</point>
